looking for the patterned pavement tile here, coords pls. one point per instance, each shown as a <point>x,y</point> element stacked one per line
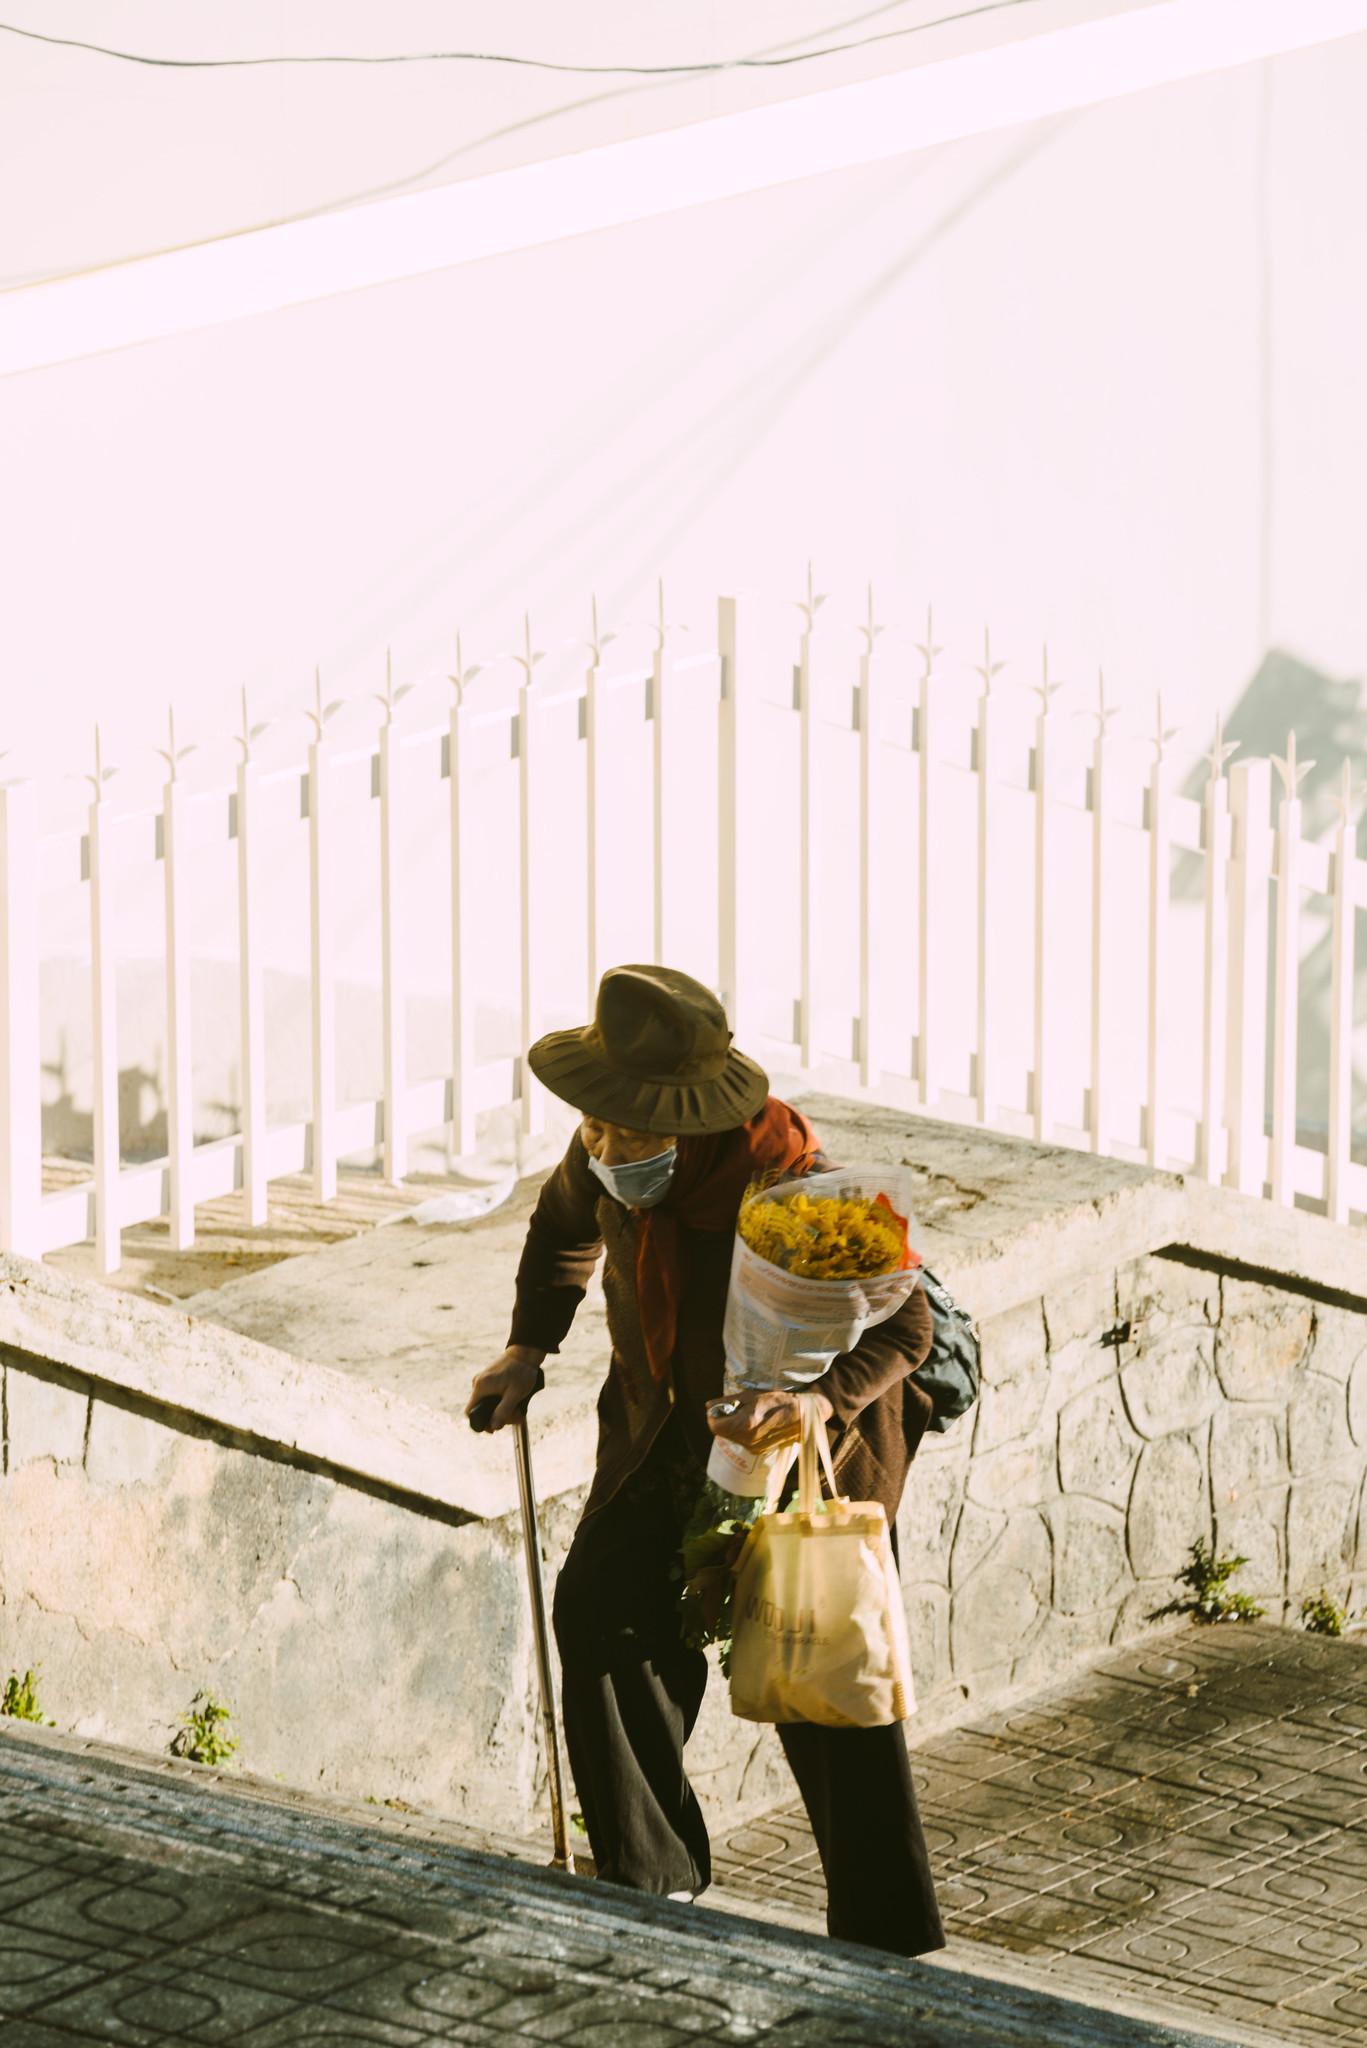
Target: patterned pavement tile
<point>1187,1817</point>
<point>150,2003</point>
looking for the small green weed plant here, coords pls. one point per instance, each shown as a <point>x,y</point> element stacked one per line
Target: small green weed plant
<point>1323,1616</point>
<point>21,1699</point>
<point>1207,1579</point>
<point>203,1737</point>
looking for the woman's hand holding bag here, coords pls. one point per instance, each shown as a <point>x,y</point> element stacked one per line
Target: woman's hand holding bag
<point>819,1632</point>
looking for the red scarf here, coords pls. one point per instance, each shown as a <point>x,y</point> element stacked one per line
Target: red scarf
<point>711,1175</point>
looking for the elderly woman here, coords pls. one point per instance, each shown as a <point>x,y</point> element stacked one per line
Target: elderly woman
<point>676,1123</point>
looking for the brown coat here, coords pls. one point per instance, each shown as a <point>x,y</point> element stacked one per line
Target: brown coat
<point>880,1414</point>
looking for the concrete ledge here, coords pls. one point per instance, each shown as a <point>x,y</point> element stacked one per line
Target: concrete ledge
<point>351,1425</point>
<point>360,1355</point>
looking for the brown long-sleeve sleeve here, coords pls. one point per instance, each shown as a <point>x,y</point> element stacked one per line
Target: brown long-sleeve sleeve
<point>562,1248</point>
<point>883,1355</point>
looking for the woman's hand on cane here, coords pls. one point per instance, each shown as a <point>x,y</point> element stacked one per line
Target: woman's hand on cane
<point>761,1419</point>
<point>512,1379</point>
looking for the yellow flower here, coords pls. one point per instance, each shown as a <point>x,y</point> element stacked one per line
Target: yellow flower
<point>824,1238</point>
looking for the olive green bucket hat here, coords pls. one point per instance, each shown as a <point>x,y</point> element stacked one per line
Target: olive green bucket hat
<point>657,1057</point>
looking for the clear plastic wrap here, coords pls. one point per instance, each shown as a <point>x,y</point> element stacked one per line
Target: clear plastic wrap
<point>782,1330</point>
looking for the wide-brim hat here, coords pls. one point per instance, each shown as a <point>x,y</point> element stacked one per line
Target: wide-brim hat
<point>657,1057</point>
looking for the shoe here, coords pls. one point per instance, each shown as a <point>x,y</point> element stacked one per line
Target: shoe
<point>685,1898</point>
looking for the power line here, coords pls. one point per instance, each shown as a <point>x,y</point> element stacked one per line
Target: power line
<point>775,54</point>
<point>505,57</point>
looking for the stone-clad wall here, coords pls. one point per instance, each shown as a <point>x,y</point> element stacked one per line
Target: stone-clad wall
<point>366,1642</point>
<point>375,1642</point>
<point>1121,1418</point>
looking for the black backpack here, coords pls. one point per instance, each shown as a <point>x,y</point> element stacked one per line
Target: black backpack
<point>950,1373</point>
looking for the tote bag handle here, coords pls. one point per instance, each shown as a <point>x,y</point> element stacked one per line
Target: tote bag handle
<point>814,1458</point>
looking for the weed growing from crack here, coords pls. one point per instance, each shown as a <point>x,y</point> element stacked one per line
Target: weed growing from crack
<point>21,1699</point>
<point>199,1738</point>
<point>1323,1616</point>
<point>1207,1577</point>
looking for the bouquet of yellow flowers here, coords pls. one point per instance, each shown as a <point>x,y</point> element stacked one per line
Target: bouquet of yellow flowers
<point>816,1261</point>
<point>822,1237</point>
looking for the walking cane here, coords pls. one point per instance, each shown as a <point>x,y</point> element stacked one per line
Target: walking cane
<point>481,1415</point>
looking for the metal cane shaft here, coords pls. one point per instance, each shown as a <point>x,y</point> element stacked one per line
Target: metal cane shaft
<point>531,1537</point>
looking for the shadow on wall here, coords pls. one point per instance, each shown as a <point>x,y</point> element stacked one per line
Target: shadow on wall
<point>1329,719</point>
<point>67,1113</point>
<point>69,1129</point>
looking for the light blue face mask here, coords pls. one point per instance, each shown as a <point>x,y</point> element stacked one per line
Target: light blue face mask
<point>640,1183</point>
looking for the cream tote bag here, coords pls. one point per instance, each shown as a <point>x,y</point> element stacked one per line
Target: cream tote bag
<point>818,1632</point>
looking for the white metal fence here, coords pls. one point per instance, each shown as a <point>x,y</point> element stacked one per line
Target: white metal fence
<point>965,899</point>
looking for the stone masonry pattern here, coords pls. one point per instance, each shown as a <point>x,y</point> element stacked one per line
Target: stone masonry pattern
<point>1120,1419</point>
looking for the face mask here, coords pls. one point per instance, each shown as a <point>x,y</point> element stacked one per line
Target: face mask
<point>640,1183</point>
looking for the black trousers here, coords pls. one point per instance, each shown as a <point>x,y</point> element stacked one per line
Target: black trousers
<point>632,1690</point>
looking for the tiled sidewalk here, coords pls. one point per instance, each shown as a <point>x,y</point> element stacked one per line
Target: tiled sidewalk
<point>150,1903</point>
<point>1185,1825</point>
<point>1176,1838</point>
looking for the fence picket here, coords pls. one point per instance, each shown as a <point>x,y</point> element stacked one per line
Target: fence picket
<point>104,1045</point>
<point>21,1156</point>
<point>1286,977</point>
<point>1212,1142</point>
<point>463,995</point>
<point>1246,1059</point>
<point>596,817</point>
<point>927,748</point>
<point>870,1048</point>
<point>661,715</point>
<point>1098,1098</point>
<point>732,633</point>
<point>1159,822</point>
<point>1340,1137</point>
<point>322,986</point>
<point>180,1133</point>
<point>393,988</point>
<point>807,826</point>
<point>984,745</point>
<point>1046,908</point>
<point>533,1105</point>
<point>253,1004</point>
